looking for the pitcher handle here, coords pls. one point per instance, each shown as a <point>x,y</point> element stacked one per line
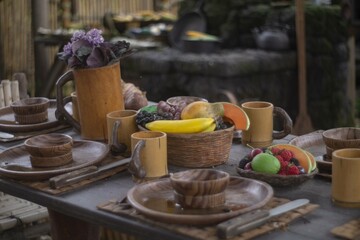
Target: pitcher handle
<point>287,123</point>
<point>60,112</point>
<point>135,167</point>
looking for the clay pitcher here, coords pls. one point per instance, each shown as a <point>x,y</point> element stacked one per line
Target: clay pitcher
<point>99,91</point>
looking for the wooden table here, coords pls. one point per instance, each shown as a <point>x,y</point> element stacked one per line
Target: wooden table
<point>78,208</point>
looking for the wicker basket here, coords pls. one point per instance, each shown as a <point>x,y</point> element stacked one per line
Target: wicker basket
<point>200,149</point>
<point>276,180</point>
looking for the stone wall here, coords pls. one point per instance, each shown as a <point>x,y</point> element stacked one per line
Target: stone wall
<point>251,73</point>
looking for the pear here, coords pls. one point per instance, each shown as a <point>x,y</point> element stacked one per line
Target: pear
<point>201,109</point>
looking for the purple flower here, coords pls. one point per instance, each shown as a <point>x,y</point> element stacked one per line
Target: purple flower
<point>68,49</point>
<point>80,34</point>
<point>94,37</point>
<point>88,49</point>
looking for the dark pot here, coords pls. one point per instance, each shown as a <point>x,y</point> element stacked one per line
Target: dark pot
<point>201,46</point>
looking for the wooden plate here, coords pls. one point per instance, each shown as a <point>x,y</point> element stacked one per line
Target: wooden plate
<point>15,162</point>
<point>155,199</point>
<point>313,143</point>
<point>8,123</point>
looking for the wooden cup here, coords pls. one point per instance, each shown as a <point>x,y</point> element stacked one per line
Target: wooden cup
<point>98,92</point>
<point>121,124</point>
<point>346,177</point>
<point>149,155</point>
<point>261,132</point>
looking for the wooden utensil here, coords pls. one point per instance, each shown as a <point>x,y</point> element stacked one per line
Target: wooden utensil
<point>84,173</point>
<point>251,220</point>
<point>303,122</point>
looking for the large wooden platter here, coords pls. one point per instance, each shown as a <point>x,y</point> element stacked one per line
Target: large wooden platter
<point>8,123</point>
<point>155,199</point>
<point>15,162</point>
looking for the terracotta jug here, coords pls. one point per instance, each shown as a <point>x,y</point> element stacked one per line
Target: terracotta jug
<point>98,91</point>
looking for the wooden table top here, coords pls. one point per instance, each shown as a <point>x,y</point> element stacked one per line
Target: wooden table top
<point>81,203</point>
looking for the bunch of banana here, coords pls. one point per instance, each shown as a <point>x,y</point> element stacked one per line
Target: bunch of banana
<point>194,35</point>
<point>195,125</point>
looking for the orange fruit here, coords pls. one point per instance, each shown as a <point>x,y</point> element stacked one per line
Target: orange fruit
<point>236,115</point>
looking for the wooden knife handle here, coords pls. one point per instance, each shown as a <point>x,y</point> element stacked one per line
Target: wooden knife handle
<point>230,227</point>
<point>61,180</point>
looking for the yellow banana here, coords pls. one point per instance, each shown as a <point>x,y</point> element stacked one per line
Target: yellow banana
<point>180,126</point>
<point>195,34</point>
<point>211,128</point>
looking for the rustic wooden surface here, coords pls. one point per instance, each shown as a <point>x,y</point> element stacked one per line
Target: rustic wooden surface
<point>209,232</point>
<point>81,204</point>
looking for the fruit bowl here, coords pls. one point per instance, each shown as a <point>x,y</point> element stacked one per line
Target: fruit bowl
<point>277,180</point>
<point>280,165</point>
<point>197,150</point>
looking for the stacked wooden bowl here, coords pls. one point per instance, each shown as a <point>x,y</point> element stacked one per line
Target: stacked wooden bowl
<point>31,110</point>
<point>50,150</point>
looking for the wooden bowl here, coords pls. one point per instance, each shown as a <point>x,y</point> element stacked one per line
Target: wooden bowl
<point>277,180</point>
<point>32,118</point>
<point>51,161</point>
<point>30,105</point>
<point>203,201</point>
<point>184,99</point>
<point>49,145</point>
<point>199,182</point>
<point>338,138</point>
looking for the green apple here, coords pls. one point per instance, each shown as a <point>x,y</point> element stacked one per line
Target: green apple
<point>265,163</point>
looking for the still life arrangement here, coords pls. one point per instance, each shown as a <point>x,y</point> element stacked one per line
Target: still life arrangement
<point>279,165</point>
<point>193,117</point>
<point>194,133</point>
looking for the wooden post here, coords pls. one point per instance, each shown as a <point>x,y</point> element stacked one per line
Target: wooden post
<point>40,18</point>
<point>303,122</point>
<point>65,227</point>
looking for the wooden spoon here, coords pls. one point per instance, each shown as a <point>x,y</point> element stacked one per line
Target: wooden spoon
<point>303,122</point>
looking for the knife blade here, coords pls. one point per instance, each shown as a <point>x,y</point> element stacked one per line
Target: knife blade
<point>82,174</point>
<point>6,135</point>
<point>248,221</point>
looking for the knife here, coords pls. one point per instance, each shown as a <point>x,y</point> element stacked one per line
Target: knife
<point>84,173</point>
<point>6,135</point>
<point>248,221</point>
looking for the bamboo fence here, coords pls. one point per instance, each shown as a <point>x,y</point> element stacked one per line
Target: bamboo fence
<point>17,37</point>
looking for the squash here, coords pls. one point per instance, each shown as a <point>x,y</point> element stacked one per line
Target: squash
<point>303,158</point>
<point>312,159</point>
<point>236,115</point>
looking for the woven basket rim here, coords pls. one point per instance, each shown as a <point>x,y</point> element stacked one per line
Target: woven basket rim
<point>275,179</point>
<point>190,134</point>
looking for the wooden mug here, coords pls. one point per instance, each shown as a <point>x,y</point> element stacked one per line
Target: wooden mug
<point>120,125</point>
<point>346,177</point>
<point>98,92</point>
<point>261,132</point>
<point>149,155</point>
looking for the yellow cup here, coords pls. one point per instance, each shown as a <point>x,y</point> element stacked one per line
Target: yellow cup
<point>346,177</point>
<point>120,125</point>
<point>261,116</point>
<point>149,155</point>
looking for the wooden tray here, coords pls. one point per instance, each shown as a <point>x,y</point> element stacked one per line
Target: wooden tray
<point>116,206</point>
<point>15,162</point>
<point>155,200</point>
<point>8,123</point>
<point>313,142</point>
